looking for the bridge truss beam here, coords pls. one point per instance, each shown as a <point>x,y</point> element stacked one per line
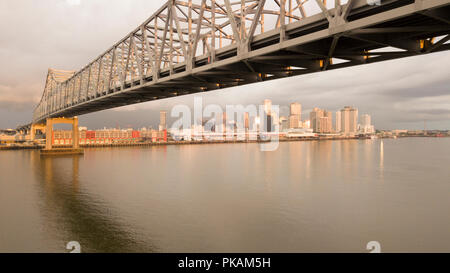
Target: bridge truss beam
<point>196,46</point>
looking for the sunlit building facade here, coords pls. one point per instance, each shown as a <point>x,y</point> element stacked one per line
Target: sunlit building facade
<point>349,120</point>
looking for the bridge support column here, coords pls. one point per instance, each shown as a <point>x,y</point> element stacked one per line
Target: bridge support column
<point>75,134</point>
<point>49,134</point>
<point>49,149</point>
<point>34,128</point>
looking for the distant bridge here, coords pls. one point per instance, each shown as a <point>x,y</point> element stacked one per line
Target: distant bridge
<point>197,46</point>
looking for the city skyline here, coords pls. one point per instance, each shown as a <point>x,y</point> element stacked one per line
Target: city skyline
<point>346,121</point>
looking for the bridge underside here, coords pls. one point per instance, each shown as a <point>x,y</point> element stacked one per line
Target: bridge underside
<point>368,35</point>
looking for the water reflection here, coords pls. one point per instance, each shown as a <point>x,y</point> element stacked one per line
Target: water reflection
<point>306,196</point>
<point>74,215</point>
<point>381,159</point>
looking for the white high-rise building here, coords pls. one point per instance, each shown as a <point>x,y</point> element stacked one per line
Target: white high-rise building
<point>365,120</point>
<point>366,126</point>
<point>349,120</point>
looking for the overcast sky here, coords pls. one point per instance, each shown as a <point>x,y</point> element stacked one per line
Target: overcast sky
<point>68,34</point>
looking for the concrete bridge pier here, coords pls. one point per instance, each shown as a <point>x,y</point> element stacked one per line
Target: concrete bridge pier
<point>49,149</point>
<point>34,128</point>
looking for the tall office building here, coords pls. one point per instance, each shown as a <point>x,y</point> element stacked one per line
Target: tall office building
<point>321,121</point>
<point>314,117</point>
<point>269,122</point>
<point>246,121</point>
<point>267,106</point>
<point>326,123</point>
<point>294,122</point>
<point>162,120</point>
<point>349,120</point>
<point>295,117</point>
<point>296,109</point>
<point>284,123</point>
<point>337,125</point>
<point>365,120</point>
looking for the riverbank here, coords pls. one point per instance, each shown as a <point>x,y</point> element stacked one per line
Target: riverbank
<point>20,147</point>
<point>147,144</point>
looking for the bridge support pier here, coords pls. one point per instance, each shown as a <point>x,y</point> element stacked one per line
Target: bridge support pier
<point>34,128</point>
<point>49,149</point>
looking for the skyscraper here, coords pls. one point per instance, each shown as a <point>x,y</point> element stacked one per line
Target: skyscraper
<point>267,106</point>
<point>315,116</point>
<point>337,126</point>
<point>349,120</point>
<point>246,121</point>
<point>162,120</point>
<point>294,122</point>
<point>269,122</point>
<point>366,126</point>
<point>326,123</point>
<point>284,123</point>
<point>295,117</point>
<point>365,120</point>
<point>321,121</point>
<point>296,109</point>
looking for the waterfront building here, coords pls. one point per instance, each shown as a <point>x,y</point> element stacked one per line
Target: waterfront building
<point>162,120</point>
<point>284,123</point>
<point>325,123</point>
<point>366,126</point>
<point>349,120</point>
<point>267,106</point>
<point>109,136</point>
<point>298,133</point>
<point>306,124</point>
<point>295,109</point>
<point>315,116</point>
<point>269,123</point>
<point>321,120</point>
<point>295,115</point>
<point>337,126</point>
<point>246,121</point>
<point>295,122</point>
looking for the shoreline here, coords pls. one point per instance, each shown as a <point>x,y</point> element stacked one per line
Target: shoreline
<point>149,144</point>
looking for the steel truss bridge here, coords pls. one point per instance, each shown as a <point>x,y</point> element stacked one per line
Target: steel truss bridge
<point>201,45</point>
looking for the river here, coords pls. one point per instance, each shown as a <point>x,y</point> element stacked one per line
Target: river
<point>308,196</point>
